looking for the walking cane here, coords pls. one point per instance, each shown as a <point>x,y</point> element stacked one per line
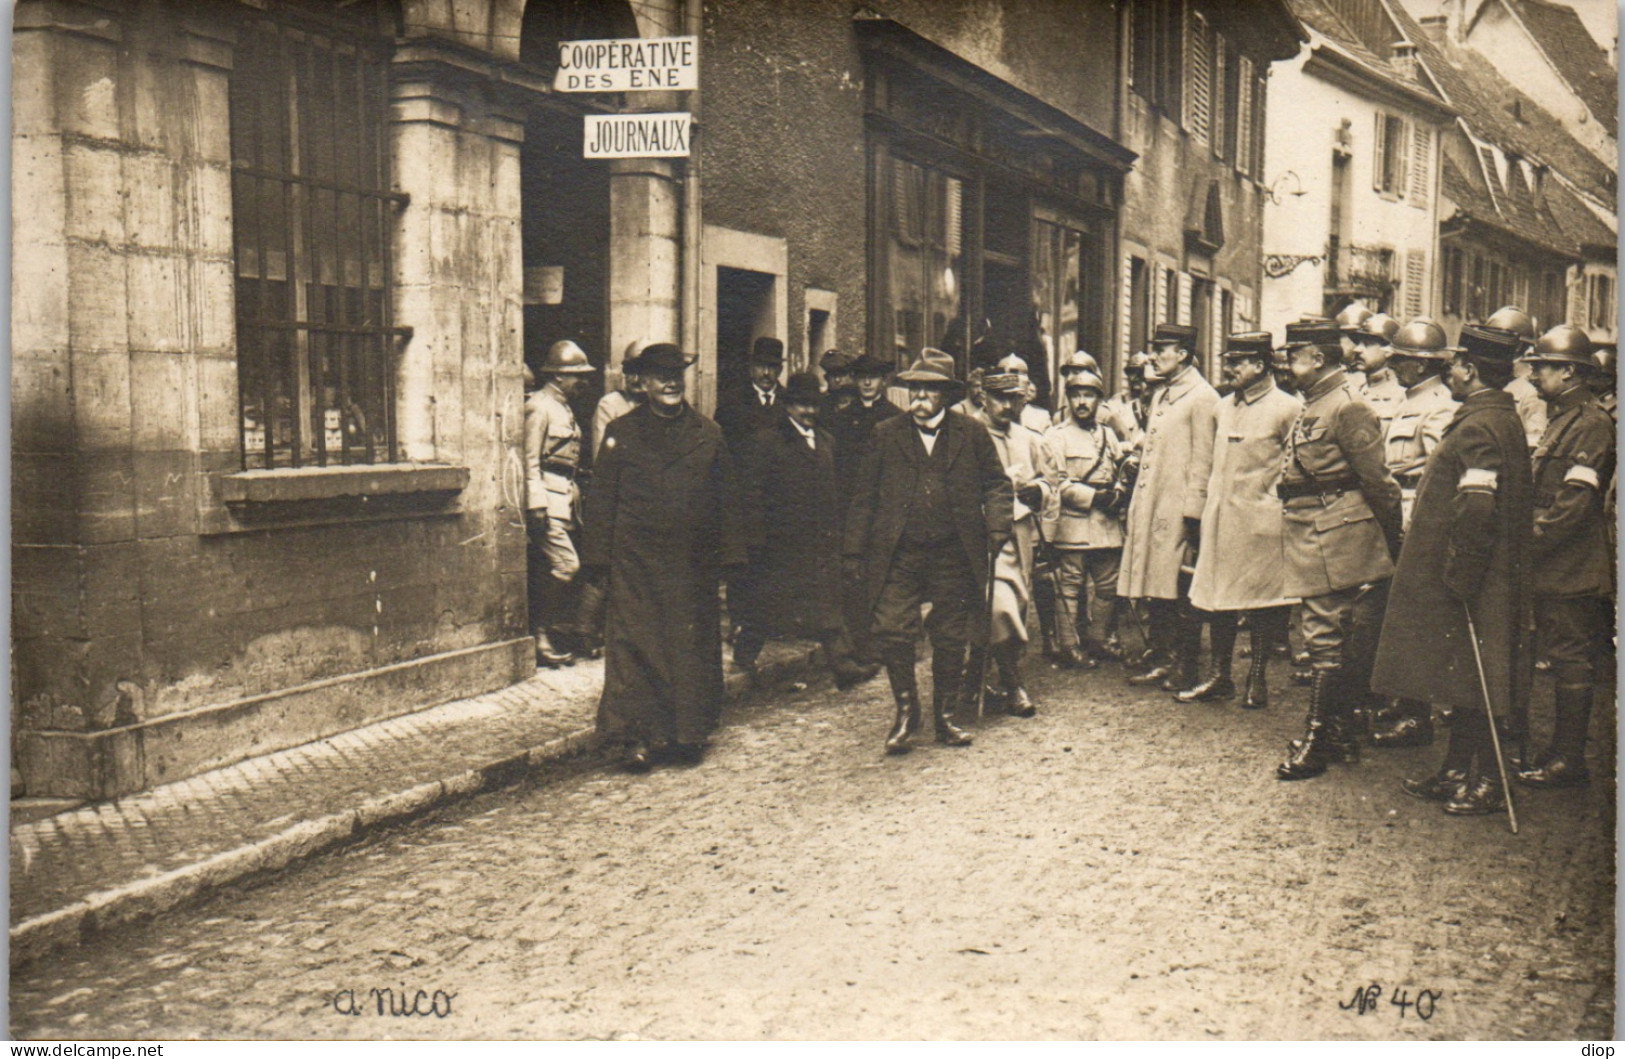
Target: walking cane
<point>987,649</point>
<point>1495,735</point>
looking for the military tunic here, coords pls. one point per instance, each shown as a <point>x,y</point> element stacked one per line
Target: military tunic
<point>1413,433</point>
<point>1027,459</point>
<point>1572,466</point>
<point>1531,409</point>
<point>1242,559</point>
<point>1382,391</point>
<point>552,454</point>
<point>1088,460</point>
<point>611,406</point>
<point>1467,544</point>
<point>1176,460</point>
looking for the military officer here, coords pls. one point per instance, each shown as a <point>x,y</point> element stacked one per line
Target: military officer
<point>1033,416</point>
<point>1463,556</point>
<point>1165,512</point>
<point>1572,575</point>
<point>1086,528</point>
<point>1241,562</point>
<point>552,456</point>
<point>1373,345</point>
<point>1342,536</point>
<point>1531,409</point>
<point>932,505</point>
<point>1604,380</point>
<point>1030,463</point>
<point>1421,360</point>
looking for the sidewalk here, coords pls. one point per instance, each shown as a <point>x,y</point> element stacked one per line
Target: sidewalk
<point>88,867</point>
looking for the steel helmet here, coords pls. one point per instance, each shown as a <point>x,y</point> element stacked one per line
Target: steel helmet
<point>1379,326</point>
<point>1079,361</point>
<point>1084,378</point>
<point>1011,362</point>
<point>1353,315</point>
<point>1563,344</point>
<point>1511,318</point>
<point>1422,338</point>
<point>1605,358</point>
<point>566,358</point>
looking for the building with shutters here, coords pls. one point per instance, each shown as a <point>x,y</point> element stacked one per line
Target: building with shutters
<point>1352,169</point>
<point>1196,84</point>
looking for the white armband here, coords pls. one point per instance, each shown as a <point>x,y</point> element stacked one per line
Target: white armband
<point>1478,479</point>
<point>1580,474</point>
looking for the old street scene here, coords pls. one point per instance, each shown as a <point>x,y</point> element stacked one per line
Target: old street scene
<point>969,519</point>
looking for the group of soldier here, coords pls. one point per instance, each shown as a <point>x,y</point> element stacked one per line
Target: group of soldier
<point>1427,518</point>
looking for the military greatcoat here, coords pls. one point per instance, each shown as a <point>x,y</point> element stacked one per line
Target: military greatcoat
<point>1468,542</point>
<point>662,517</point>
<point>1172,486</point>
<point>1242,559</point>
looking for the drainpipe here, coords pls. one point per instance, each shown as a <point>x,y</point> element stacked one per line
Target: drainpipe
<point>690,308</point>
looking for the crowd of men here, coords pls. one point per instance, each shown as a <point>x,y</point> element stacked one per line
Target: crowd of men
<point>1430,523</point>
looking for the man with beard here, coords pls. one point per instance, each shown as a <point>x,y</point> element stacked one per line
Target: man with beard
<point>787,472</point>
<point>1463,556</point>
<point>932,504</point>
<point>662,523</point>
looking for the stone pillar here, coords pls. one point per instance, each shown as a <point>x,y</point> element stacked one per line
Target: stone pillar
<point>644,253</point>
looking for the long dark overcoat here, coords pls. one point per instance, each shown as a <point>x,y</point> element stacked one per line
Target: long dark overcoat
<point>794,525</point>
<point>854,430</point>
<point>979,493</point>
<point>662,517</point>
<point>1469,540</point>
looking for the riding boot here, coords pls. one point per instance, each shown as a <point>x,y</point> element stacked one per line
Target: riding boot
<point>1257,695</point>
<point>847,672</point>
<point>1310,755</point>
<point>1077,654</point>
<point>1187,655</point>
<point>1443,786</point>
<point>1344,723</point>
<point>1222,629</point>
<point>1413,726</point>
<point>947,682</point>
<point>906,693</point>
<point>1564,764</point>
<point>976,693</point>
<point>1158,658</point>
<point>1017,703</point>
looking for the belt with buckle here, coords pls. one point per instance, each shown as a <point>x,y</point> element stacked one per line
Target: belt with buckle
<point>1322,488</point>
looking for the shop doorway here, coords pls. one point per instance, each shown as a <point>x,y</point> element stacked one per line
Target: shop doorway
<point>745,312</point>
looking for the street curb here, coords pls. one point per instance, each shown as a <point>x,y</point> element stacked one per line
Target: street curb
<point>66,927</point>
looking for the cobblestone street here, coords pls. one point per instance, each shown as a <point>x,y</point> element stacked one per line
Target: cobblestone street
<point>1118,867</point>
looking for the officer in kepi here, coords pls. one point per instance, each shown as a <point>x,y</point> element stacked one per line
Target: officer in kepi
<point>931,506</point>
<point>1342,537</point>
<point>1459,574</point>
<point>552,455</point>
<point>1570,561</point>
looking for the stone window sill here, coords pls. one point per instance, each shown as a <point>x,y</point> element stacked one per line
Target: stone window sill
<point>293,485</point>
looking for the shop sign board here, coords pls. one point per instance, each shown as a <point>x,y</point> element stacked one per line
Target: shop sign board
<point>635,64</point>
<point>637,135</point>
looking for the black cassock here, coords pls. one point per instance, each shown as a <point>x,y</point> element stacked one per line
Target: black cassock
<point>662,519</point>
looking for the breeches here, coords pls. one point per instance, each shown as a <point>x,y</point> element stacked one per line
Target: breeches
<point>939,576</point>
<point>1341,627</point>
<point>1573,629</point>
<point>1098,565</point>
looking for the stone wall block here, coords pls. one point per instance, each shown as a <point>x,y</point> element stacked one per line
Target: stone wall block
<point>38,192</point>
<point>151,188</point>
<point>96,191</point>
<point>163,400</point>
<point>211,214</point>
<point>106,500</point>
<point>41,403</point>
<point>33,84</point>
<point>45,592</point>
<point>166,485</point>
<point>98,307</point>
<point>47,672</point>
<point>219,426</point>
<point>111,579</point>
<point>44,495</point>
<point>101,401</point>
<point>86,88</point>
<point>157,313</point>
<point>214,303</point>
<point>40,292</point>
<point>211,121</point>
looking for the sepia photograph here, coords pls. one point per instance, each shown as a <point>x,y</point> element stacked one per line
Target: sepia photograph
<point>780,520</point>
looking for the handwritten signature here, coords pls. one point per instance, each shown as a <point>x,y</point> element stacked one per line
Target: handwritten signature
<point>406,1003</point>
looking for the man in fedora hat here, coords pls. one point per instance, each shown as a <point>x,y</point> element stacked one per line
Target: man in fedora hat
<point>552,459</point>
<point>1571,565</point>
<point>1464,552</point>
<point>1034,476</point>
<point>662,521</point>
<point>748,409</point>
<point>1240,561</point>
<point>1342,537</point>
<point>1165,511</point>
<point>932,504</point>
<point>787,473</point>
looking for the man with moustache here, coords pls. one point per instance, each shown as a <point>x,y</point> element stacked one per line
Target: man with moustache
<point>1373,342</point>
<point>552,461</point>
<point>1464,554</point>
<point>932,504</point>
<point>662,523</point>
<point>1240,564</point>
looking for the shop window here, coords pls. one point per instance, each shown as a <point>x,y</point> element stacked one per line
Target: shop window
<point>1057,290</point>
<point>313,215</point>
<point>924,258</point>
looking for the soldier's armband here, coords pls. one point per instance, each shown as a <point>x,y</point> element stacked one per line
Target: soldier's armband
<point>1580,474</point>
<point>1478,480</point>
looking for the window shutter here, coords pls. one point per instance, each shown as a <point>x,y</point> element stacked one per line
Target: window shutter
<point>1185,300</point>
<point>1244,116</point>
<point>1421,164</point>
<point>1399,144</point>
<point>1416,275</point>
<point>1379,156</point>
<point>1200,45</point>
<point>1261,87</point>
<point>1220,96</point>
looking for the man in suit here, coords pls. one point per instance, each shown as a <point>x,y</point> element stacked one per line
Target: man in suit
<point>1165,512</point>
<point>746,410</point>
<point>787,472</point>
<point>932,504</point>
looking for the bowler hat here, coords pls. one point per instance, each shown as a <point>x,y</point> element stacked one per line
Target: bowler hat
<point>835,362</point>
<point>933,368</point>
<point>802,388</point>
<point>767,350</point>
<point>1563,344</point>
<point>1249,344</point>
<point>869,364</point>
<point>1183,334</point>
<point>661,356</point>
<point>1490,343</point>
<point>1321,333</point>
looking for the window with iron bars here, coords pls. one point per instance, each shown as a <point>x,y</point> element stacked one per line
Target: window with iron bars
<point>313,216</point>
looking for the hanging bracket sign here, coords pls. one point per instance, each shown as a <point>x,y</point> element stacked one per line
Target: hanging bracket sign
<point>637,135</point>
<point>636,64</point>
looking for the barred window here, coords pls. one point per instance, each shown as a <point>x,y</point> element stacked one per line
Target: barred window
<point>313,217</point>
